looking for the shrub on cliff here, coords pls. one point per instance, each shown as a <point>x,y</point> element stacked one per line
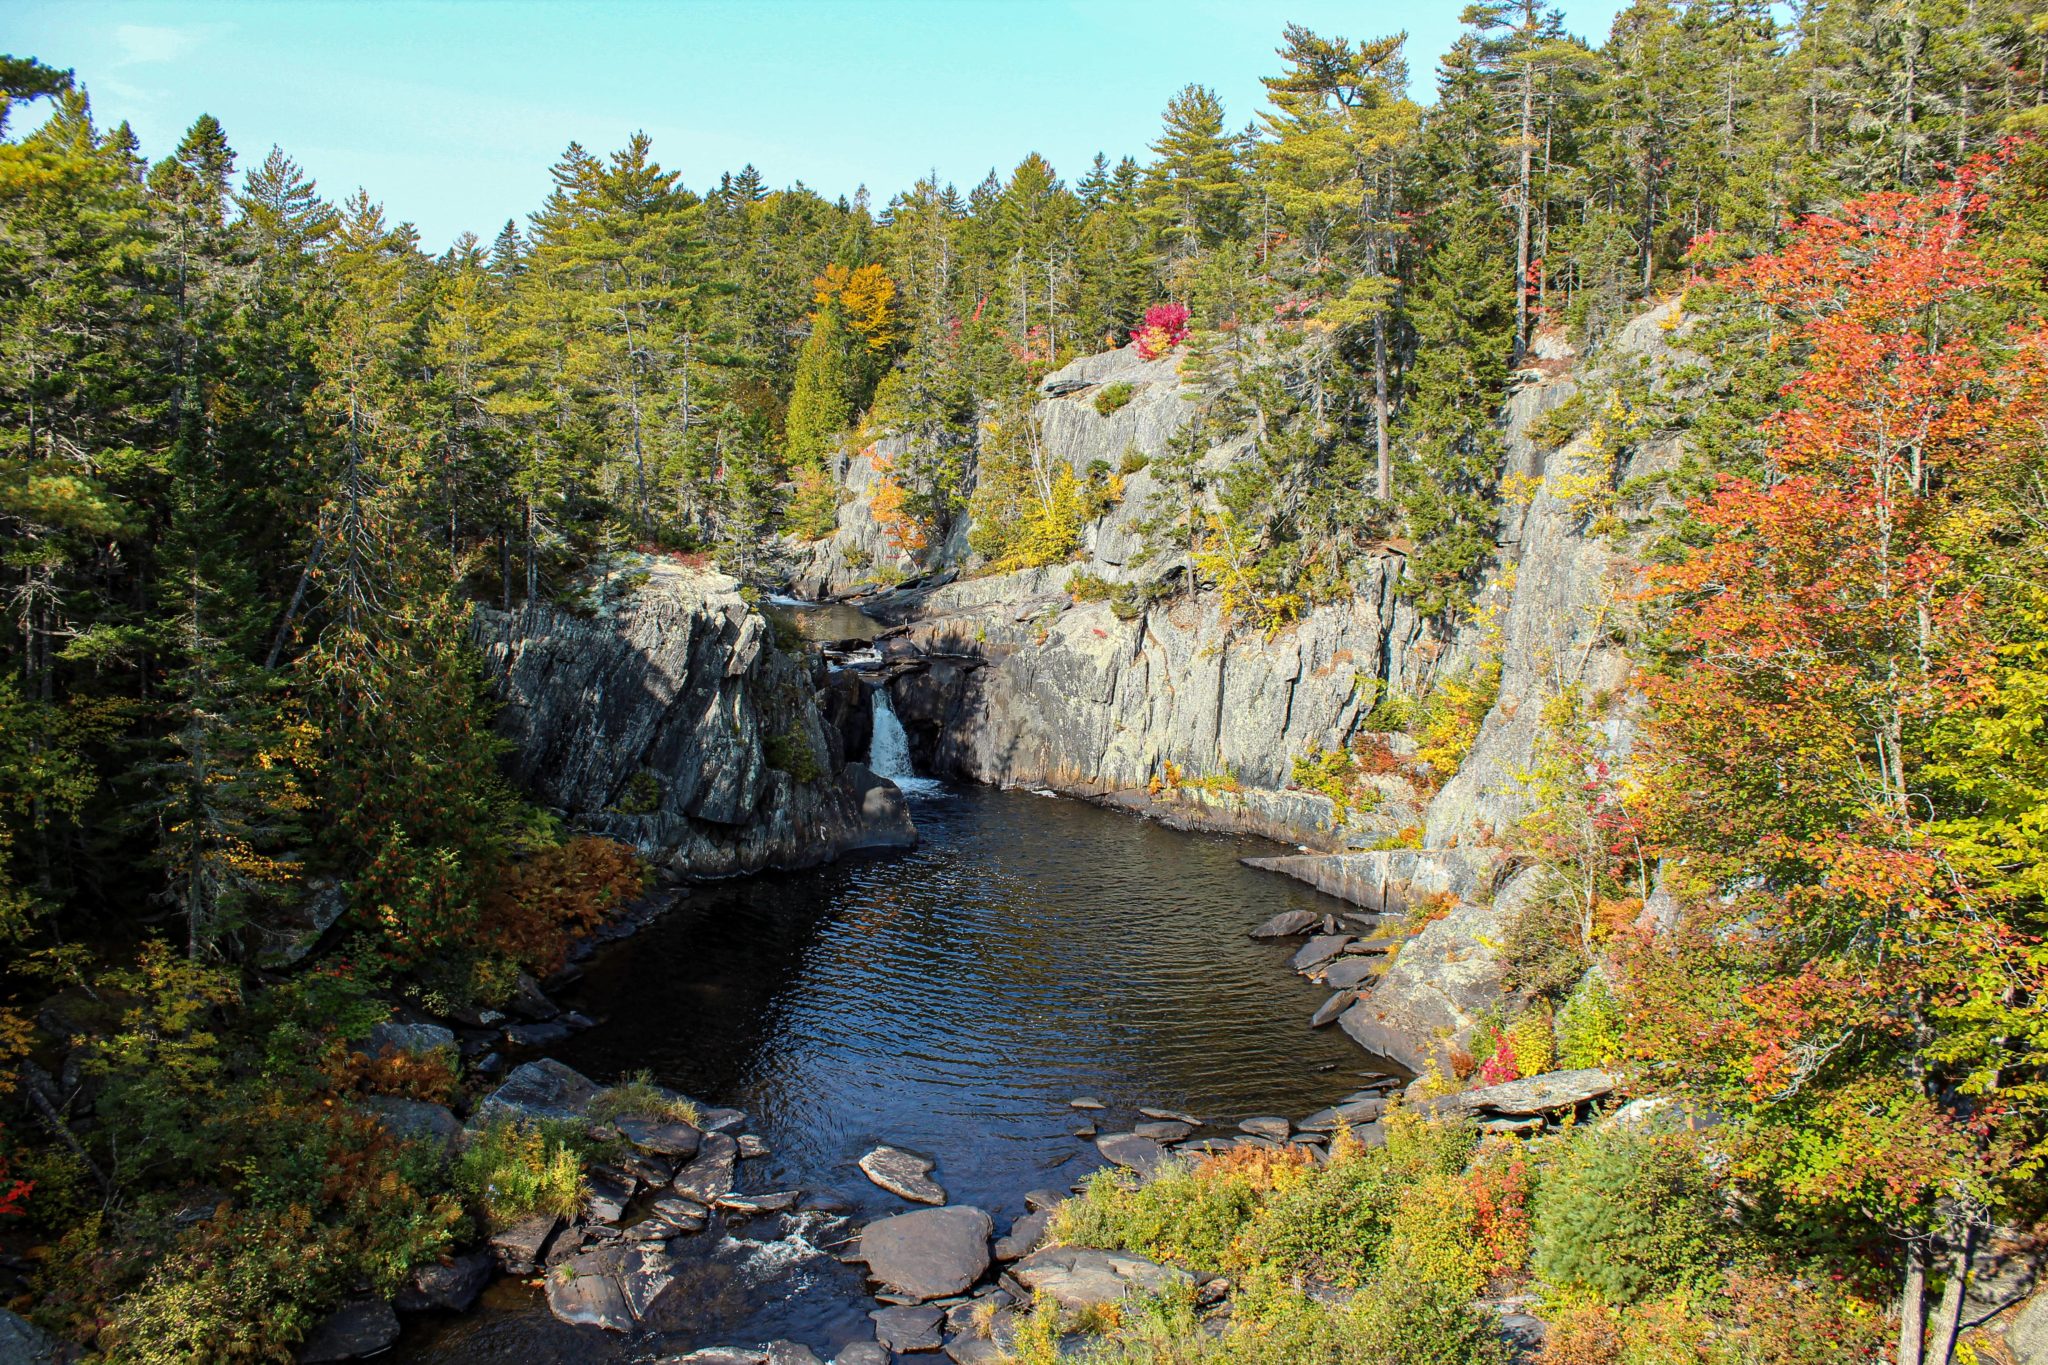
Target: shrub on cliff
<point>1627,1217</point>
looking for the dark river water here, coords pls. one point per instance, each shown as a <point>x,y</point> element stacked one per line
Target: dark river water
<point>950,1000</point>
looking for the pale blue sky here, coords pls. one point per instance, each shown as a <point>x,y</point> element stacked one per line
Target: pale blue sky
<point>451,112</point>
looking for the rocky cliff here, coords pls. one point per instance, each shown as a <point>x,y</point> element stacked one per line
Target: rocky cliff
<point>664,716</point>
<point>1172,708</point>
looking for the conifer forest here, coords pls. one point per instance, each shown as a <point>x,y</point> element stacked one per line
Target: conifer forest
<point>1587,531</point>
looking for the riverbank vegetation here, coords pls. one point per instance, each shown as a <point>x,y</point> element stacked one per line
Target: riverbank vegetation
<point>262,455</point>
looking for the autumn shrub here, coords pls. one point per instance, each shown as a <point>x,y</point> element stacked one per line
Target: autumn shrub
<point>539,905</point>
<point>433,1076</point>
<point>1114,397</point>
<point>511,1171</point>
<point>1191,1216</point>
<point>637,1096</point>
<point>1626,1217</point>
<point>1331,1224</point>
<point>1165,326</point>
<point>1591,1028</point>
<point>1501,1184</point>
<point>1404,1317</point>
<point>1434,1233</point>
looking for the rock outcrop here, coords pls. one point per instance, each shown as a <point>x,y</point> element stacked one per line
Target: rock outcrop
<point>666,718</point>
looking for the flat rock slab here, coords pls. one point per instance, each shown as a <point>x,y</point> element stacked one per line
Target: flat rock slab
<point>789,1353</point>
<point>1164,1130</point>
<point>1039,1200</point>
<point>1352,1113</point>
<point>1317,951</point>
<point>862,1353</point>
<point>1140,1154</point>
<point>1170,1116</point>
<point>1024,1236</point>
<point>720,1355</point>
<point>365,1327</point>
<point>717,1120</point>
<point>663,1137</point>
<point>752,1146</point>
<point>929,1253</point>
<point>543,1089</point>
<point>1327,1013</point>
<point>1079,1278</point>
<point>1268,1126</point>
<point>584,1291</point>
<point>1545,1094</point>
<point>754,1205</point>
<point>975,1351</point>
<point>1084,1102</point>
<point>906,1329</point>
<point>1347,973</point>
<point>1286,924</point>
<point>903,1173</point>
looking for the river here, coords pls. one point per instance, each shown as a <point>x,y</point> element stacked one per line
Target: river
<point>951,1000</point>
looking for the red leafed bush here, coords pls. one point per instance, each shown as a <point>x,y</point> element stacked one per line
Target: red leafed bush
<point>1500,1067</point>
<point>12,1192</point>
<point>1165,327</point>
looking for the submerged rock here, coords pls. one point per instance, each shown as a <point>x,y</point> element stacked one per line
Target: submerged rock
<point>1024,1236</point>
<point>450,1286</point>
<point>663,1137</point>
<point>862,1353</point>
<point>365,1327</point>
<point>907,1328</point>
<point>1140,1154</point>
<point>929,1253</point>
<point>903,1173</point>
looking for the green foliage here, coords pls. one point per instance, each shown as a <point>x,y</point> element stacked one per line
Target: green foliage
<point>1627,1217</point>
<point>637,1096</point>
<point>1591,1027</point>
<point>1113,397</point>
<point>511,1170</point>
<point>792,752</point>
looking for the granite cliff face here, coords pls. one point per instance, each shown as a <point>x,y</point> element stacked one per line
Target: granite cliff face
<point>1171,709</point>
<point>669,720</point>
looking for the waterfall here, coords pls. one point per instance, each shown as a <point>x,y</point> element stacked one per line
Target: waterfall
<point>889,747</point>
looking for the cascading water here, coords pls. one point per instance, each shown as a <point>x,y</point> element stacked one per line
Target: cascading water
<point>889,748</point>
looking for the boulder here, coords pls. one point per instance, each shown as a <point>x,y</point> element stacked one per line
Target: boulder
<point>365,1327</point>
<point>710,1174</point>
<point>907,1327</point>
<point>1040,1200</point>
<point>1317,951</point>
<point>1286,924</point>
<point>584,1291</point>
<point>1349,972</point>
<point>532,1036</point>
<point>790,1353</point>
<point>929,1253</point>
<point>24,1343</point>
<point>448,1286</point>
<point>2027,1335</point>
<point>1079,1278</point>
<point>663,1137</point>
<point>415,1120</point>
<point>902,1173</point>
<point>543,1089</point>
<point>1271,1127</point>
<point>416,1039</point>
<point>1442,981</point>
<point>966,1350</point>
<point>520,1247</point>
<point>754,1205</point>
<point>1024,1236</point>
<point>1163,1130</point>
<point>1140,1154</point>
<point>862,1353</point>
<point>1327,1012</point>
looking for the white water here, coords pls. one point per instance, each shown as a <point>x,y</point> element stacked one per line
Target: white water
<point>889,748</point>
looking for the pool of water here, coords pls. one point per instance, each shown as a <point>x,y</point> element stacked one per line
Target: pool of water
<point>951,1000</point>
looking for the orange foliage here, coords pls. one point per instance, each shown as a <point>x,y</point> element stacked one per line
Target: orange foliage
<point>429,1076</point>
<point>1584,1335</point>
<point>889,505</point>
<point>1261,1167</point>
<point>540,905</point>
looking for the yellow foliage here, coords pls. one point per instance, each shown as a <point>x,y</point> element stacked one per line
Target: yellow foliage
<point>866,297</point>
